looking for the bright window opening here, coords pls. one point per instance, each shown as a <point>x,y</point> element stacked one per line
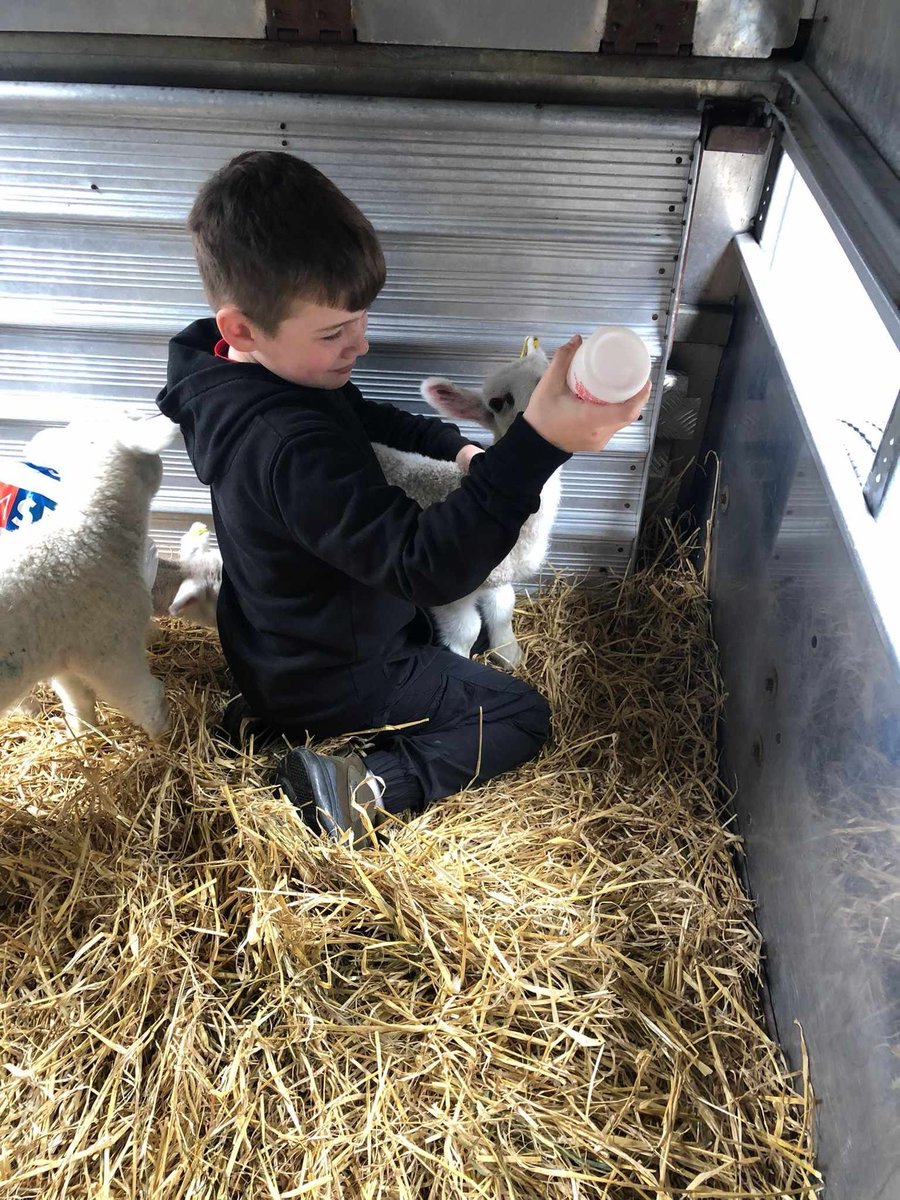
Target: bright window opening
<point>844,372</point>
<point>843,359</point>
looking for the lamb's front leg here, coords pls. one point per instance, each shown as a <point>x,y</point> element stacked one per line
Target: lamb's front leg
<point>458,624</point>
<point>77,701</point>
<point>497,604</point>
<point>125,683</point>
<point>28,706</point>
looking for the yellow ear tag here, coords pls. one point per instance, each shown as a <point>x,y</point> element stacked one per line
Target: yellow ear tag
<point>198,531</point>
<point>529,346</point>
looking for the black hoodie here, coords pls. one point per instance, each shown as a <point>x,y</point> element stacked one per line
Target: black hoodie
<point>325,563</point>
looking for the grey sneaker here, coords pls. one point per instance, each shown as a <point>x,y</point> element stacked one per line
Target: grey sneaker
<point>329,792</point>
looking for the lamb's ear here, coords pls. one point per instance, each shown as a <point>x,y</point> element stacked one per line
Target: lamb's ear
<point>195,541</point>
<point>188,593</point>
<point>462,404</point>
<point>149,436</point>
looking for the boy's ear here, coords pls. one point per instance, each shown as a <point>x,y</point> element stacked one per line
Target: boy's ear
<point>462,404</point>
<point>236,328</point>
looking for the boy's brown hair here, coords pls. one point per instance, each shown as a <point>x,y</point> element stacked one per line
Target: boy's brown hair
<point>269,230</point>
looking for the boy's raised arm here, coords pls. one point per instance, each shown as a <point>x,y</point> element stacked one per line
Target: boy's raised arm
<point>337,504</point>
<point>405,431</point>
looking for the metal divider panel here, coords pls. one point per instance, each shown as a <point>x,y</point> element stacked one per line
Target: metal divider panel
<point>497,220</point>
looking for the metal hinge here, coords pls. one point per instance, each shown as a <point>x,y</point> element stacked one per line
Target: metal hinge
<point>885,465</point>
<point>649,27</point>
<point>310,21</point>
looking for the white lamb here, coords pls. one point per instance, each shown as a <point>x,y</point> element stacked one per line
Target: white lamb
<point>427,480</point>
<point>189,587</point>
<point>74,599</point>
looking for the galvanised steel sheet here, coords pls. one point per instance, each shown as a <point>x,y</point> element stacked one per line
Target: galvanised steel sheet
<point>498,221</point>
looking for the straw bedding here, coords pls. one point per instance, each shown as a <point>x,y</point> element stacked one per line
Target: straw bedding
<point>544,987</point>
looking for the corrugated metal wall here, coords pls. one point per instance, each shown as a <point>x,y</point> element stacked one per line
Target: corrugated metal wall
<point>497,221</point>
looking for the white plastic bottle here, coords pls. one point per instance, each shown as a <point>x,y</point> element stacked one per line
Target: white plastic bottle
<point>610,366</point>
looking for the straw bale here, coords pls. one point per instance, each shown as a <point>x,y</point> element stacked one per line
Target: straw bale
<point>543,987</point>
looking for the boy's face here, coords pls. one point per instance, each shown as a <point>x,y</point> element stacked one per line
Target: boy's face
<point>315,346</point>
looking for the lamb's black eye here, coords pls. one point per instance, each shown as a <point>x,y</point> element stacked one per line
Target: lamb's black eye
<point>498,403</point>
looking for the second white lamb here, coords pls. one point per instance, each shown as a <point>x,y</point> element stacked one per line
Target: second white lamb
<point>505,394</point>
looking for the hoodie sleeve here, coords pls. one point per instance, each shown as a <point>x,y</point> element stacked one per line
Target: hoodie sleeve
<point>405,431</point>
<point>336,503</point>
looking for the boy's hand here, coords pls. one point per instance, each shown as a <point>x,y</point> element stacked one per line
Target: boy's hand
<point>571,424</point>
<point>466,455</point>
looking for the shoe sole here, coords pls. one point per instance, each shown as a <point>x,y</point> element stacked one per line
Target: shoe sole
<point>310,788</point>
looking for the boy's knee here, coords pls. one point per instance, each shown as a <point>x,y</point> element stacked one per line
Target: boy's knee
<point>537,716</point>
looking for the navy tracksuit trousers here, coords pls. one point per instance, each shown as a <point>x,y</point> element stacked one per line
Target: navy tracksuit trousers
<point>472,723</point>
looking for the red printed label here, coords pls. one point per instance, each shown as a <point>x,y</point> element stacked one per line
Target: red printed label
<point>20,507</point>
<point>589,398</point>
<point>8,493</point>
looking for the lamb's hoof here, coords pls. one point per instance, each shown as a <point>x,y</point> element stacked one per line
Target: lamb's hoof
<point>508,655</point>
<point>159,725</point>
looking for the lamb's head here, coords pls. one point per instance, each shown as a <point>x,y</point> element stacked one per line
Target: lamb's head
<point>504,395</point>
<point>201,566</point>
<point>89,450</point>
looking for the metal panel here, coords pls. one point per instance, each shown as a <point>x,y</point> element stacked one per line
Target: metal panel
<point>497,220</point>
<point>200,18</point>
<point>854,49</point>
<point>525,25</point>
<point>729,28</point>
<point>812,735</point>
<point>728,192</point>
<point>746,28</point>
<point>726,28</point>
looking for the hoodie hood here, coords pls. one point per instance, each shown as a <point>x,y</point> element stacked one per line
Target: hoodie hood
<point>214,419</point>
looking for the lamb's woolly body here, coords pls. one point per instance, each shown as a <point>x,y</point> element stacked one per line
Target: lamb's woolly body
<point>430,480</point>
<point>74,601</point>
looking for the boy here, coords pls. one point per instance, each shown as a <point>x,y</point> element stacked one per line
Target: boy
<point>327,568</point>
